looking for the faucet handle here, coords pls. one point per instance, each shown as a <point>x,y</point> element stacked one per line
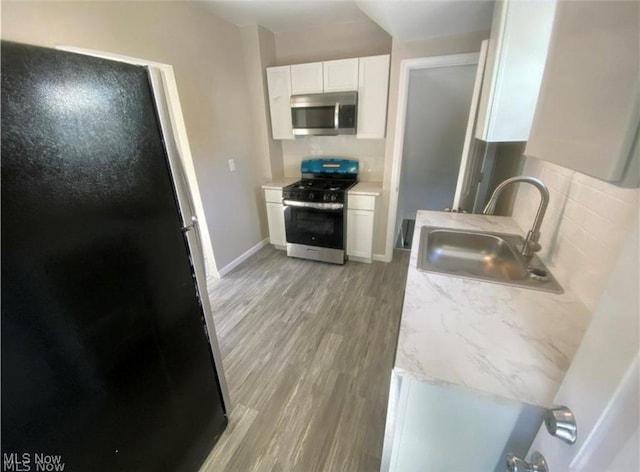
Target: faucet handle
<point>531,244</point>
<point>534,246</point>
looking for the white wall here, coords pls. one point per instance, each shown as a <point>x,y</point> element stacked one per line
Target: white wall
<point>584,227</point>
<point>206,53</point>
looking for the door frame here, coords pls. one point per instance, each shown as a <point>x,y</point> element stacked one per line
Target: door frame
<point>406,66</point>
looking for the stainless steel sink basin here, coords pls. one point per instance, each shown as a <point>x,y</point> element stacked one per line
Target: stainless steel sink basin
<point>487,256</point>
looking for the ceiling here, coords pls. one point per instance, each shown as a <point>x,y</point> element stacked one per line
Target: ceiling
<point>415,20</point>
<point>406,20</point>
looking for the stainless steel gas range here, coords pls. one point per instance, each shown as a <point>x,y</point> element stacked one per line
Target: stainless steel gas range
<point>315,209</point>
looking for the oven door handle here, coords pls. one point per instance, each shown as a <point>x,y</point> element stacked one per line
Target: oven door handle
<point>317,206</point>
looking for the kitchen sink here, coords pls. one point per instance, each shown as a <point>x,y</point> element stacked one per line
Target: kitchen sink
<point>480,255</point>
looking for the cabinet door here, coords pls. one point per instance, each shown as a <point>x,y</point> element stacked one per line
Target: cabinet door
<point>373,87</point>
<point>341,75</point>
<point>432,415</point>
<point>518,45</point>
<point>279,85</point>
<point>588,114</point>
<point>360,234</point>
<point>275,218</point>
<point>306,78</point>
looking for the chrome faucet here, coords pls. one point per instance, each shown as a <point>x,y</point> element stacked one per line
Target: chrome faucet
<point>531,244</point>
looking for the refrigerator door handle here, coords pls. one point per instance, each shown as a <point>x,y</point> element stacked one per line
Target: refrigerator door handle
<point>194,222</point>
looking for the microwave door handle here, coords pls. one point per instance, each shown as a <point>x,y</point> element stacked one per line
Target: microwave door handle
<point>336,117</point>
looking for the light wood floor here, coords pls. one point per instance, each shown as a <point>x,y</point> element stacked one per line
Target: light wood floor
<point>308,349</point>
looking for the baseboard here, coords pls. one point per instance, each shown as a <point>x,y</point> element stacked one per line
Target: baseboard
<point>366,260</point>
<point>239,260</point>
<point>380,258</point>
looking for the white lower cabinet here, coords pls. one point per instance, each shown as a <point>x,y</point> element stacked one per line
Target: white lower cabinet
<point>275,217</point>
<point>360,220</point>
<point>443,427</point>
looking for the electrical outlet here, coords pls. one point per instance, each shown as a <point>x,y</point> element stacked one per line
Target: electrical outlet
<point>232,165</point>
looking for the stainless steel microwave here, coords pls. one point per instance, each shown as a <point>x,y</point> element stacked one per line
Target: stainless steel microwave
<point>324,114</point>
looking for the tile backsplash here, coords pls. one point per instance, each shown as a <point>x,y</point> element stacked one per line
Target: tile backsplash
<point>586,221</point>
<point>369,152</point>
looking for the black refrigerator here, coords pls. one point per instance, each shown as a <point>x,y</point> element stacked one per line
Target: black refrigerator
<point>107,362</point>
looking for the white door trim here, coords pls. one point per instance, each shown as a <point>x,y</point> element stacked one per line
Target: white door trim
<point>406,66</point>
<point>465,162</point>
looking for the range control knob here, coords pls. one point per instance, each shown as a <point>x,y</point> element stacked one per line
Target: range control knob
<point>334,198</point>
<point>311,195</point>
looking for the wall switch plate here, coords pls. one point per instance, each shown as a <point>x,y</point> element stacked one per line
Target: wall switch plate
<point>232,165</point>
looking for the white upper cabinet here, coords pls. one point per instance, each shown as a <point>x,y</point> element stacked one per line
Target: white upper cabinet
<point>279,86</point>
<point>306,78</point>
<point>373,89</point>
<point>588,115</point>
<point>369,76</point>
<point>516,58</point>
<point>341,75</point>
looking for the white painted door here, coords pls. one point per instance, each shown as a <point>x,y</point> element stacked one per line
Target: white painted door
<point>602,383</point>
<point>472,158</point>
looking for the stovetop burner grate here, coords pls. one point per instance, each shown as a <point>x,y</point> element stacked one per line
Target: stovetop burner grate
<point>321,184</point>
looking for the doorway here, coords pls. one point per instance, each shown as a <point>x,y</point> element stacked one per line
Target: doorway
<point>435,99</point>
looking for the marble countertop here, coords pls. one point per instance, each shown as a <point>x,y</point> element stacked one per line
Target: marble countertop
<point>366,188</point>
<point>506,341</point>
<point>277,184</point>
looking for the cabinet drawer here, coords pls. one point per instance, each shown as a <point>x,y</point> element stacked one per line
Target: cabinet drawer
<point>273,196</point>
<point>361,202</point>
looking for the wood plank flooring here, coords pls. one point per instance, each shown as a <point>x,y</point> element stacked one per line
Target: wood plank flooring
<point>308,349</point>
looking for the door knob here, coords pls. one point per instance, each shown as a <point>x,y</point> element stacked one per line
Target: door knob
<point>561,423</point>
<point>537,464</point>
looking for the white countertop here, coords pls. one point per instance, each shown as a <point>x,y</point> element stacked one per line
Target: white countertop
<point>506,341</point>
<point>277,184</point>
<point>366,188</point>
